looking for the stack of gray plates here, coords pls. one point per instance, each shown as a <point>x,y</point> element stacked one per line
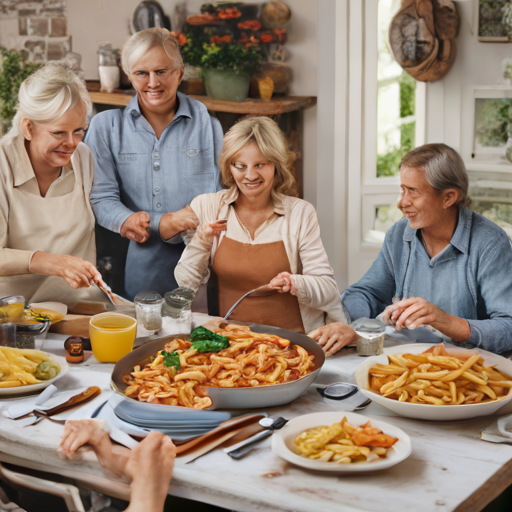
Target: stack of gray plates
<point>178,423</point>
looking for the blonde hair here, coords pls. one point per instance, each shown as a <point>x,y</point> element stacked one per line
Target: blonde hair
<point>47,95</point>
<point>140,43</point>
<point>270,140</point>
<point>443,167</point>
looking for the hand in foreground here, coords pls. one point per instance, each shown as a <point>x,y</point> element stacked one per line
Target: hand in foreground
<point>283,283</point>
<point>78,433</point>
<point>150,467</point>
<point>173,223</point>
<point>333,337</point>
<point>78,273</point>
<point>136,227</point>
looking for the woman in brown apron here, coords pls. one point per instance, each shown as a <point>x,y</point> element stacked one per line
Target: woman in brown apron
<point>270,237</point>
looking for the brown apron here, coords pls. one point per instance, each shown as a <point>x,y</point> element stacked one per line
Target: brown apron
<point>242,267</point>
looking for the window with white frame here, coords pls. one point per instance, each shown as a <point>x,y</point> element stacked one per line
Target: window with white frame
<point>393,131</point>
<point>396,96</point>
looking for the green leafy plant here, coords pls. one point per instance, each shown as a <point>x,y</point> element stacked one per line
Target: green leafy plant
<point>192,45</point>
<point>387,165</point>
<point>15,68</point>
<point>494,122</point>
<point>231,57</point>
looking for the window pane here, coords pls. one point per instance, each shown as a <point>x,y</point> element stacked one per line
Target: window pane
<point>386,216</point>
<point>396,97</point>
<point>491,195</point>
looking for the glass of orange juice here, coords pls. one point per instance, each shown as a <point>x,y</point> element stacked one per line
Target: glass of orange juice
<point>112,336</point>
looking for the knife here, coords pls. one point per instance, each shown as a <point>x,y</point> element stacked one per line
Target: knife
<point>37,415</point>
<point>79,399</point>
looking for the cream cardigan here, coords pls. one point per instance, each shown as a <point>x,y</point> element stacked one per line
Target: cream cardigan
<point>295,223</point>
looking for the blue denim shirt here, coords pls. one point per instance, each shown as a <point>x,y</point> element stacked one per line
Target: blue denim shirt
<point>136,171</point>
<point>471,278</point>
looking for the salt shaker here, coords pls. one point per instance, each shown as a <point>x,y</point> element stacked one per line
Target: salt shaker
<point>370,336</point>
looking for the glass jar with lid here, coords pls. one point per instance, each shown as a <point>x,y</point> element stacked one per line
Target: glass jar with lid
<point>178,300</point>
<point>148,308</point>
<point>370,336</point>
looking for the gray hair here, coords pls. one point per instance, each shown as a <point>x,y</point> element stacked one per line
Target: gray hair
<point>48,94</point>
<point>140,43</point>
<point>443,167</point>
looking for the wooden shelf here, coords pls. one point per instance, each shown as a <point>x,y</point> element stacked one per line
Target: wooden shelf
<point>275,106</point>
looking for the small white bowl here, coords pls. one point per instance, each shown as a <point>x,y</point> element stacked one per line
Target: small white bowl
<point>429,411</point>
<point>283,442</point>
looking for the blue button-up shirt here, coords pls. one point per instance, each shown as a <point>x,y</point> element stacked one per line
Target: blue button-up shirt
<point>471,278</point>
<point>136,171</point>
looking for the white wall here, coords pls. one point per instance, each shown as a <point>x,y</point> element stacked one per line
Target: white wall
<point>449,105</point>
<point>92,21</point>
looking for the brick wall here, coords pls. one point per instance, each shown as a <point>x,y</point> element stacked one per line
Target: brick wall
<point>39,26</point>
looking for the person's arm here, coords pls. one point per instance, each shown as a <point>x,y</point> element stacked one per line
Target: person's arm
<point>193,268</point>
<point>495,285</point>
<point>174,223</point>
<point>218,140</point>
<point>95,434</point>
<point>375,290</point>
<point>315,287</point>
<point>150,468</point>
<point>105,197</point>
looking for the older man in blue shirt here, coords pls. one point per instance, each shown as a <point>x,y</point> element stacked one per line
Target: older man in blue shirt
<point>151,160</point>
<point>442,266</point>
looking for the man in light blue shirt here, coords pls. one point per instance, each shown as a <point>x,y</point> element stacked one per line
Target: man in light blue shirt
<point>151,159</point>
<point>442,266</point>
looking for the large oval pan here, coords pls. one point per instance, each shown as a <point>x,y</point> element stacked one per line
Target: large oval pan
<point>233,398</point>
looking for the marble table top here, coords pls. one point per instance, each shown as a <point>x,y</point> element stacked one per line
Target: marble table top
<point>449,469</point>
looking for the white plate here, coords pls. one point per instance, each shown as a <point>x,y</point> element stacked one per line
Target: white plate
<point>34,388</point>
<point>429,411</point>
<point>283,442</point>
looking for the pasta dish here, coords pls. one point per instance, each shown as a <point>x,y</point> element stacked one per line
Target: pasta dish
<point>231,357</point>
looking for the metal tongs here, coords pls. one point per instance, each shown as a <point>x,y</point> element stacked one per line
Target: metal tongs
<point>261,291</point>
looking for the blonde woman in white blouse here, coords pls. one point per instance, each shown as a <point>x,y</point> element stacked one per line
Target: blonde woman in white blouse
<point>269,237</point>
<point>46,173</point>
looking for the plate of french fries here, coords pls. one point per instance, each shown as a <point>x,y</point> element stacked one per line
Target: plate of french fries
<point>341,442</point>
<point>437,382</point>
<point>24,371</point>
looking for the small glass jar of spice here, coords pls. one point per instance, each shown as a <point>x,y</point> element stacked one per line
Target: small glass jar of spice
<point>370,336</point>
<point>74,350</point>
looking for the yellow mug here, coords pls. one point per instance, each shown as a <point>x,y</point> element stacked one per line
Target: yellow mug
<point>112,336</point>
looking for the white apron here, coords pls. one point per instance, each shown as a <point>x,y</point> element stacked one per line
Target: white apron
<point>58,225</point>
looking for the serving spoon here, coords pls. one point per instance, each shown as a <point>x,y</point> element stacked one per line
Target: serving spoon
<point>261,291</point>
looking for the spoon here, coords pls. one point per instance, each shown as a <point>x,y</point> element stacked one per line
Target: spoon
<point>261,291</point>
<point>238,450</point>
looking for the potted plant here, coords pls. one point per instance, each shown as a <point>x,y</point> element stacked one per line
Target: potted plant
<point>228,67</point>
<point>13,70</point>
